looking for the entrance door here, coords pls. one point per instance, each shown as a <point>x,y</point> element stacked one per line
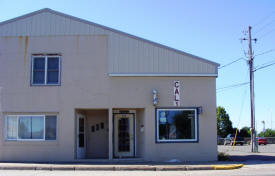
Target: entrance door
<point>81,137</point>
<point>124,131</point>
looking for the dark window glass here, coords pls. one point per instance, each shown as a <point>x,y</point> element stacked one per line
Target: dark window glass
<point>81,140</point>
<point>39,70</point>
<point>97,127</point>
<point>53,70</point>
<point>50,128</point>
<point>123,135</point>
<point>81,124</point>
<point>176,124</point>
<point>38,77</point>
<point>53,63</point>
<point>102,125</point>
<point>40,67</point>
<point>93,128</point>
<point>39,63</point>
<point>52,77</point>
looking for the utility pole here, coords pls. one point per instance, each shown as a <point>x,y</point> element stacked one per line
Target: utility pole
<point>263,125</point>
<point>254,146</point>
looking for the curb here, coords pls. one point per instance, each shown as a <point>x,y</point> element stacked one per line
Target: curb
<point>122,168</point>
<point>227,167</point>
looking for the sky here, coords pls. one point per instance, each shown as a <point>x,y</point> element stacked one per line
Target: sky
<point>210,29</point>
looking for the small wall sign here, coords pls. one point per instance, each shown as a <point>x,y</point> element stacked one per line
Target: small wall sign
<point>176,93</point>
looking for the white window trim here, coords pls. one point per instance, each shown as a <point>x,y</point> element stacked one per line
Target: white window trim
<point>176,140</point>
<point>17,122</point>
<point>46,70</point>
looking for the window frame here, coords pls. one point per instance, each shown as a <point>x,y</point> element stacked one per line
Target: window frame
<point>17,123</point>
<point>196,140</point>
<point>46,70</point>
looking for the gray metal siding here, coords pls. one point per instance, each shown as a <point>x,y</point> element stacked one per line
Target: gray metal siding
<point>127,55</point>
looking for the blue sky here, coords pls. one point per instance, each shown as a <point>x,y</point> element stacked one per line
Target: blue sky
<point>210,29</point>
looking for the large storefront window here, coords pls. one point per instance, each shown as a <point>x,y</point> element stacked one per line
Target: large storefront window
<point>176,125</point>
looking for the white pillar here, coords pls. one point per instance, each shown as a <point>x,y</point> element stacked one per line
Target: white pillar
<point>110,122</point>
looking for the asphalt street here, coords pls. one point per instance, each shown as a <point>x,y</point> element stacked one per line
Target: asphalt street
<point>256,164</point>
<point>243,153</point>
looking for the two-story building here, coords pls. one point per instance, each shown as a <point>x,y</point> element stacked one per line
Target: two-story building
<point>71,90</point>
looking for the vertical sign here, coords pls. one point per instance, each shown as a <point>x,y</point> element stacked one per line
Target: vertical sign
<point>176,93</point>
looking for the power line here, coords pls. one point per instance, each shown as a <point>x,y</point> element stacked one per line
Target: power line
<point>233,86</point>
<point>263,19</point>
<point>264,27</point>
<point>264,66</point>
<point>267,33</point>
<point>230,63</point>
<point>268,51</point>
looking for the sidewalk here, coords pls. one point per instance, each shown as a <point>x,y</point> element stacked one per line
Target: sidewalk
<point>116,167</point>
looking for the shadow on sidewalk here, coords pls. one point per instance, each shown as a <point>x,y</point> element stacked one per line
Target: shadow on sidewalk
<point>255,159</point>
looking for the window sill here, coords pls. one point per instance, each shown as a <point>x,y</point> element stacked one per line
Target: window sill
<point>178,141</point>
<point>30,142</point>
<point>39,85</point>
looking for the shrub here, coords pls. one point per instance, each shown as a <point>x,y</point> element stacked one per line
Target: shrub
<point>223,156</point>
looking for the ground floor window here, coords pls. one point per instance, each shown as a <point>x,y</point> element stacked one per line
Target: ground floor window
<point>176,125</point>
<point>30,127</point>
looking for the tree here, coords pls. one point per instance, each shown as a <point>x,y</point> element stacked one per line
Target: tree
<point>224,125</point>
<point>245,132</point>
<point>267,133</point>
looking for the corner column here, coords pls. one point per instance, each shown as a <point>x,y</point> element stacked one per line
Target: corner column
<point>110,122</point>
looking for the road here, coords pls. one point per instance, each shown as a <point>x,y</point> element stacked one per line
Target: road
<point>251,169</point>
<point>242,153</point>
<point>259,164</point>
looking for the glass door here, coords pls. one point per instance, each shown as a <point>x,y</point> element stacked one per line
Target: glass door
<point>80,137</point>
<point>124,135</point>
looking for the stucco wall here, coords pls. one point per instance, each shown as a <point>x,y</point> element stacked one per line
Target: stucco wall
<point>97,140</point>
<point>85,84</point>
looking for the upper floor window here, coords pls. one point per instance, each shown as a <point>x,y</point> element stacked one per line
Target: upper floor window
<point>45,70</point>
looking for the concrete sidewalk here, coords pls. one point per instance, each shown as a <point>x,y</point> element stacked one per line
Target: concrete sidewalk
<point>109,167</point>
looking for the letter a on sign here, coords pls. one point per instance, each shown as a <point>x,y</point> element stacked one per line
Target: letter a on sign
<point>176,93</point>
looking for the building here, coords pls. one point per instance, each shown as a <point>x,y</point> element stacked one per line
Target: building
<point>74,90</point>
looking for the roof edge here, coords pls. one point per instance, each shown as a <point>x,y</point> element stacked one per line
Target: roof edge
<point>26,15</point>
<point>163,74</point>
<point>110,29</point>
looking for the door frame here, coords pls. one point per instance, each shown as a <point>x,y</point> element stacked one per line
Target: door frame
<point>78,116</point>
<point>113,121</point>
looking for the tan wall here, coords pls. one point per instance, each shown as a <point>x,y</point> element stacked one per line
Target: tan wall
<point>140,133</point>
<point>97,141</point>
<point>85,84</point>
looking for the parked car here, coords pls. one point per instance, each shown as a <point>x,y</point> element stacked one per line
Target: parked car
<point>261,141</point>
<point>219,140</point>
<point>230,140</point>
